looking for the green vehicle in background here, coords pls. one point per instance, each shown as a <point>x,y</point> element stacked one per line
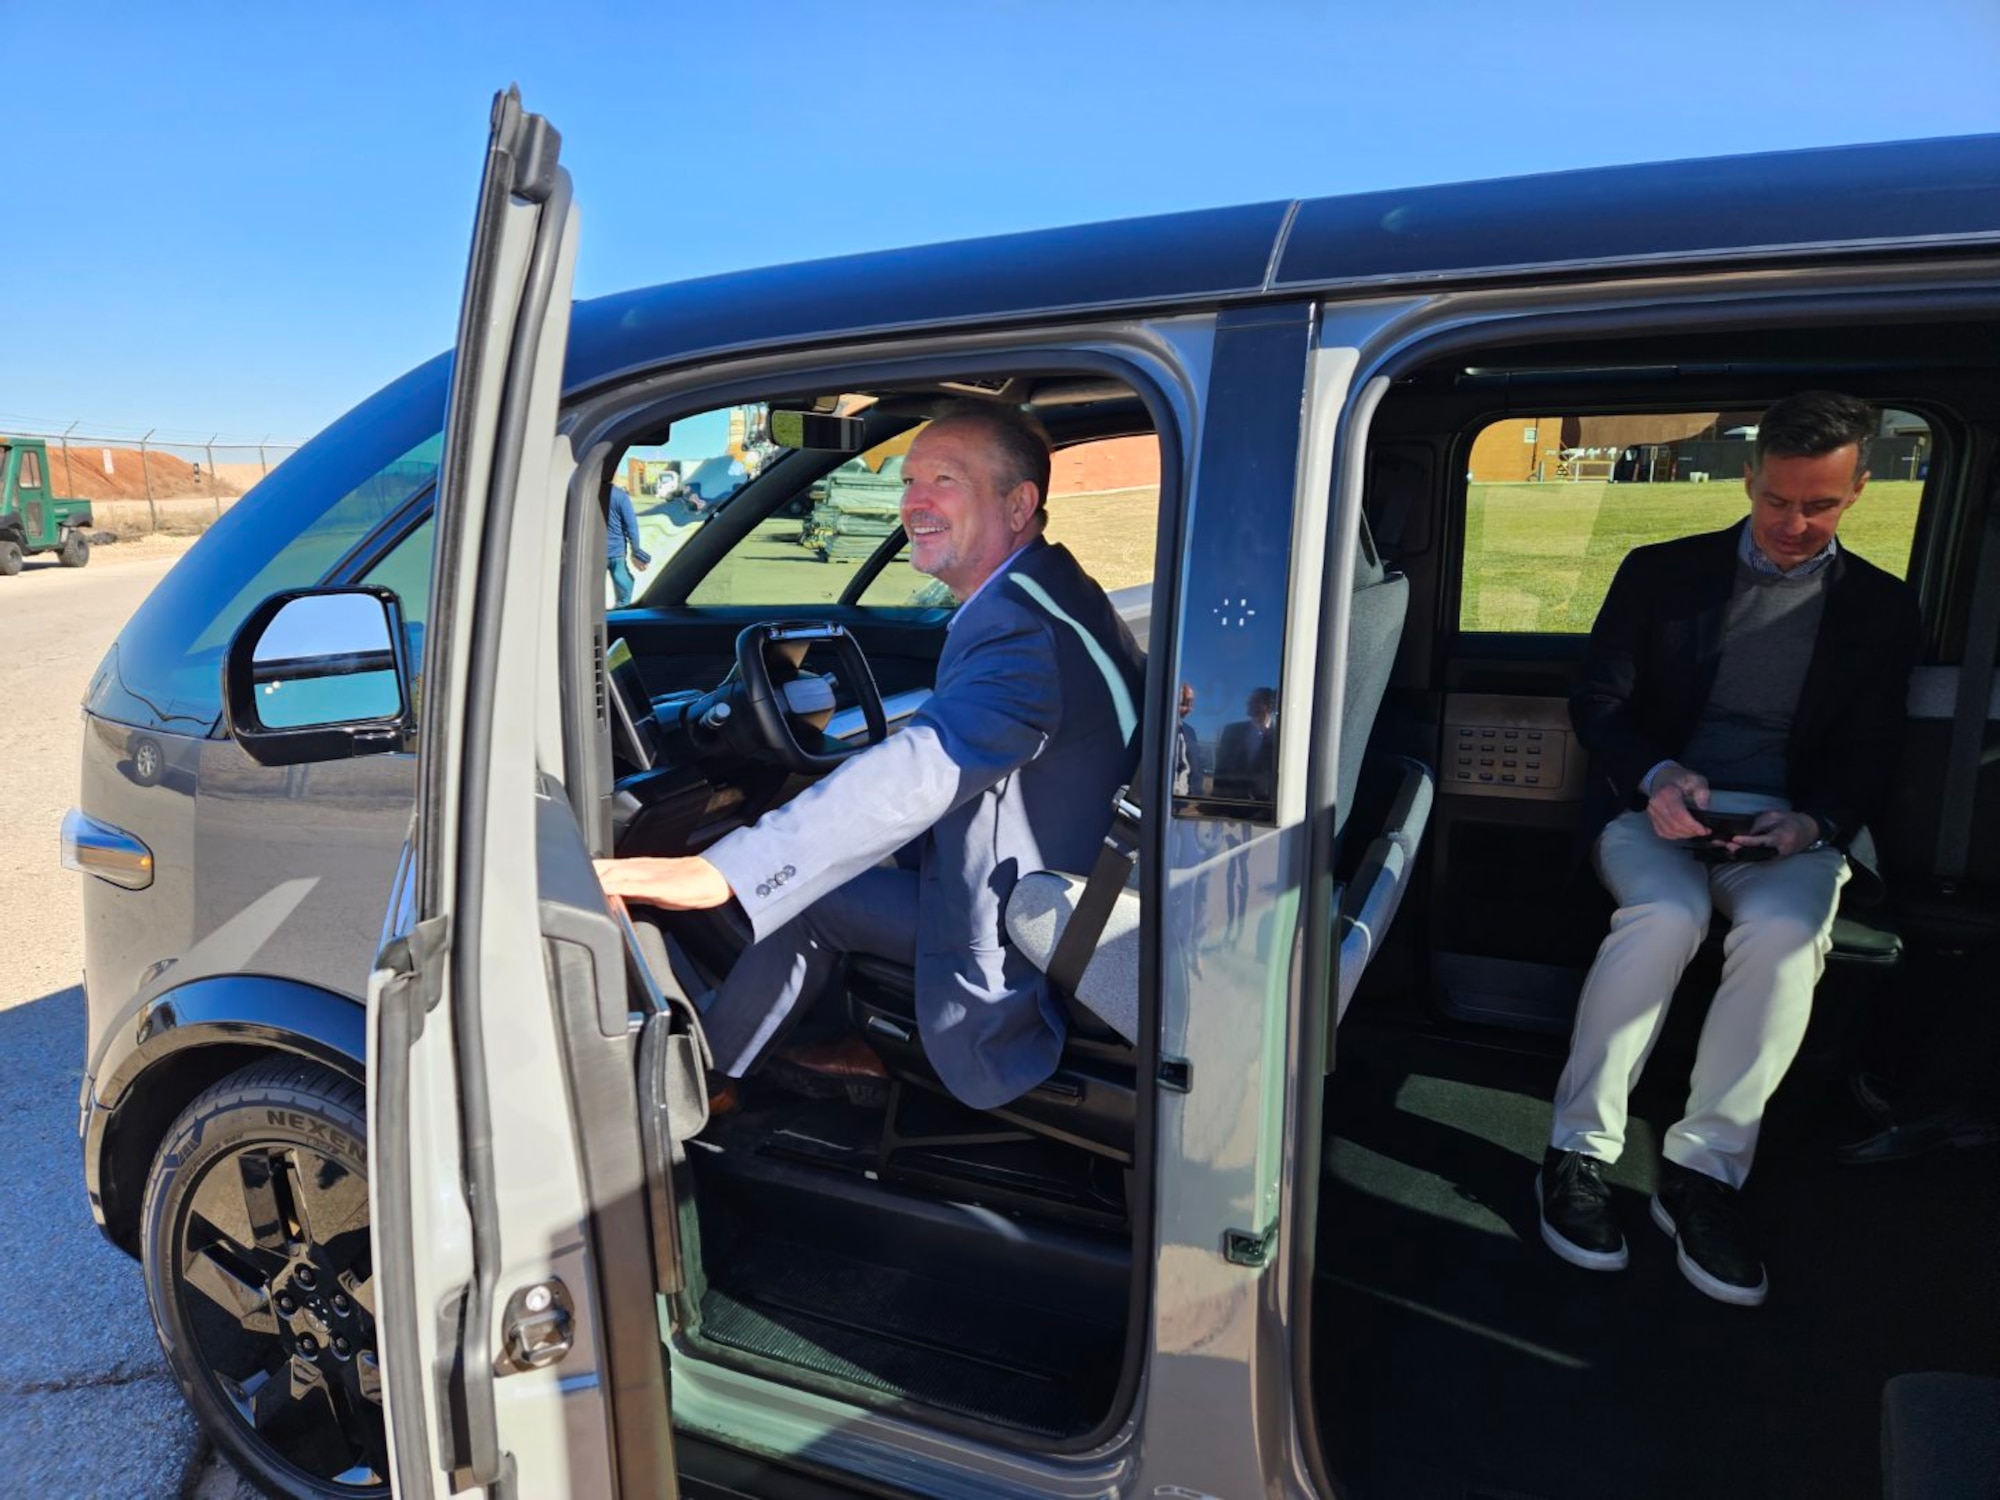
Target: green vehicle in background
<point>32,519</point>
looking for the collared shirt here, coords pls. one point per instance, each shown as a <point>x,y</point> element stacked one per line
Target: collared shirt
<point>1752,557</point>
<point>990,578</point>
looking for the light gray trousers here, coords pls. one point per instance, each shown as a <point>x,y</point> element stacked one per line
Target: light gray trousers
<point>1781,922</point>
<point>775,982</point>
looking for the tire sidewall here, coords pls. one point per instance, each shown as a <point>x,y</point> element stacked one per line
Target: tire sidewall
<point>10,558</point>
<point>299,1106</point>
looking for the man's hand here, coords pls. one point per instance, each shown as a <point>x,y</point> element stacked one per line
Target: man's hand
<point>1787,832</point>
<point>639,567</point>
<point>1675,804</point>
<point>691,884</point>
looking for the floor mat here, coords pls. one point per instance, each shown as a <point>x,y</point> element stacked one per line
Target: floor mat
<point>923,1339</point>
<point>1455,1356</point>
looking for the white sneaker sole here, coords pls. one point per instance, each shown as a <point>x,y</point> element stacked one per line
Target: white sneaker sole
<point>1576,1255</point>
<point>1700,1280</point>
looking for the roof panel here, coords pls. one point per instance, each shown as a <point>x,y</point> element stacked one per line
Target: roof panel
<point>1725,206</point>
<point>1153,261</point>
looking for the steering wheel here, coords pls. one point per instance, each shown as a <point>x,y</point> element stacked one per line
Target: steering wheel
<point>788,708</point>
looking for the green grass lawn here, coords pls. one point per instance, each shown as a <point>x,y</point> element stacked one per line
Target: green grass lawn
<point>1539,557</point>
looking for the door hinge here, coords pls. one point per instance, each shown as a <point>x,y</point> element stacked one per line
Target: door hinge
<point>1242,1248</point>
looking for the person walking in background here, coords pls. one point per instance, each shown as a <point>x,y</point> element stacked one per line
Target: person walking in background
<point>621,538</point>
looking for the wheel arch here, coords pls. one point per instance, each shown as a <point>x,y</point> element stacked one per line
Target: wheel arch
<point>185,1041</point>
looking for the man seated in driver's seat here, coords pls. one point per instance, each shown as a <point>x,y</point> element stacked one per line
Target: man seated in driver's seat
<point>1010,767</point>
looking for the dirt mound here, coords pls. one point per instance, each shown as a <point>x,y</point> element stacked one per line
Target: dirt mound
<point>99,473</point>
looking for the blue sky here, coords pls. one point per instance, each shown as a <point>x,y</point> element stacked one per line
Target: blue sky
<point>243,218</point>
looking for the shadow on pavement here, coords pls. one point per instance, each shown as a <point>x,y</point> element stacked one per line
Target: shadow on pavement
<point>86,1404</point>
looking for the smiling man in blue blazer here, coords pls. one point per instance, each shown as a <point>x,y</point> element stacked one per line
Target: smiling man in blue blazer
<point>1010,767</point>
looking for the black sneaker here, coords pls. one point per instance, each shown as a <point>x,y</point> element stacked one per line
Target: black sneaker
<point>1577,1222</point>
<point>1713,1248</point>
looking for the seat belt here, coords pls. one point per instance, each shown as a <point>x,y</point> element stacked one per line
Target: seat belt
<point>1974,705</point>
<point>1115,858</point>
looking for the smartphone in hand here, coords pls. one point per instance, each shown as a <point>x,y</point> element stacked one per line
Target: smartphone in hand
<point>1724,825</point>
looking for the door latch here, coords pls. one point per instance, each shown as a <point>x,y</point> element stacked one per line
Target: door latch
<point>538,1327</point>
<point>1241,1247</point>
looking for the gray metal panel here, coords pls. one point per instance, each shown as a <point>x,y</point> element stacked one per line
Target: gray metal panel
<point>1772,205</point>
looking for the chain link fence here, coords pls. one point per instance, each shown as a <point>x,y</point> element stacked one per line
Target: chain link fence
<point>140,482</point>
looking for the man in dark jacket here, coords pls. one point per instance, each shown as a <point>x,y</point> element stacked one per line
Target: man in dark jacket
<point>622,536</point>
<point>1759,671</point>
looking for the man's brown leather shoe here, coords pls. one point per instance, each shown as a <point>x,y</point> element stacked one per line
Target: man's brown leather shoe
<point>845,1068</point>
<point>722,1098</point>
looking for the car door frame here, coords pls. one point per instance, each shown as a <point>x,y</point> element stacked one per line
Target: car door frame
<point>1167,361</point>
<point>485,1218</point>
<point>1438,324</point>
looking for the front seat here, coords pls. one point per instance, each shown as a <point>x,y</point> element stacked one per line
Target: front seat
<point>1091,1100</point>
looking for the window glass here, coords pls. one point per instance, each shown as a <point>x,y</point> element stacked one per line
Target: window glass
<point>325,540</point>
<point>1104,501</point>
<point>286,533</point>
<point>1104,505</point>
<point>1554,502</point>
<point>31,470</point>
<point>807,550</point>
<point>900,586</point>
<point>406,570</point>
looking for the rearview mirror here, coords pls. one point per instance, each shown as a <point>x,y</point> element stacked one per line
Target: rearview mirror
<point>318,675</point>
<point>817,431</point>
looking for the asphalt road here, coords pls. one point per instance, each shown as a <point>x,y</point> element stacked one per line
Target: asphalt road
<point>87,1407</point>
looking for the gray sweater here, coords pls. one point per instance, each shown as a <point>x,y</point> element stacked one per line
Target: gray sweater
<point>1767,643</point>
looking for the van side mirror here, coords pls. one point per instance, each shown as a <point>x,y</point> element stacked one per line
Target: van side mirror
<point>319,675</point>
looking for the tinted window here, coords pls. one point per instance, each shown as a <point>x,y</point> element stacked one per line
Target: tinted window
<point>286,533</point>
<point>1554,502</point>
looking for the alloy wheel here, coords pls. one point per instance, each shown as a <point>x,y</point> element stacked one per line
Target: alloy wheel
<point>276,1289</point>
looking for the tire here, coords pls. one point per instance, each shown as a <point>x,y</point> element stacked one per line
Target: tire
<point>75,550</point>
<point>255,1242</point>
<point>10,559</point>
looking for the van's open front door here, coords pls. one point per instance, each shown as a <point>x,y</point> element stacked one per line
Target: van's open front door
<point>505,1156</point>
